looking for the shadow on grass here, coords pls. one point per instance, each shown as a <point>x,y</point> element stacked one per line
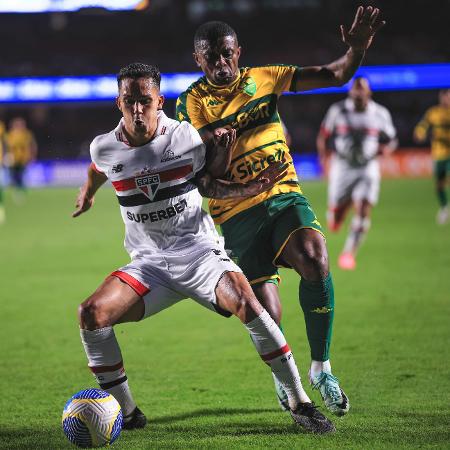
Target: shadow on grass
<point>209,412</point>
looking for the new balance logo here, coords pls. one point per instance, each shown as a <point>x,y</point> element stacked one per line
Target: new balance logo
<point>117,168</point>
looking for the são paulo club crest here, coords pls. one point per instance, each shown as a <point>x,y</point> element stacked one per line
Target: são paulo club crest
<point>148,184</point>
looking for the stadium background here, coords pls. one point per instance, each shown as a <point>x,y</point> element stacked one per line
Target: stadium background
<point>391,333</point>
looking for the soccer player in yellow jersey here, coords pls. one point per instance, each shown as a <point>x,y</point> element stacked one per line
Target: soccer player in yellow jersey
<point>21,150</point>
<point>2,152</point>
<point>437,121</point>
<point>277,228</point>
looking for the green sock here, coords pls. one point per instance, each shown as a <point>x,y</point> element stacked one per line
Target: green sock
<point>442,196</point>
<point>317,302</point>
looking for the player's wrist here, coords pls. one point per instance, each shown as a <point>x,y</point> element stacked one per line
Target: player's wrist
<point>357,51</point>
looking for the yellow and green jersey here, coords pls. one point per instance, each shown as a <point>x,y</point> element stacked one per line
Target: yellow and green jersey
<point>249,105</point>
<point>436,120</point>
<point>20,143</point>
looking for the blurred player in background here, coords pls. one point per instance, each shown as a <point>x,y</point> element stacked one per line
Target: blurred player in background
<point>22,149</point>
<point>359,130</point>
<point>2,153</point>
<point>157,167</point>
<point>277,228</point>
<point>437,121</point>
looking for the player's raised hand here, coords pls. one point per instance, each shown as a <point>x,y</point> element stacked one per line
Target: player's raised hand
<point>83,202</point>
<point>224,138</point>
<point>363,29</point>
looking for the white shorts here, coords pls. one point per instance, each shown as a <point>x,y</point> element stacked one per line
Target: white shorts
<point>353,183</point>
<point>193,272</point>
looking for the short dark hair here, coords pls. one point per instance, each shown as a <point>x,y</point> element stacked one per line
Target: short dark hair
<point>212,31</point>
<point>140,70</point>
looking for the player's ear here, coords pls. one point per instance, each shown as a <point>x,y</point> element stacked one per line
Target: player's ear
<point>196,59</point>
<point>118,103</point>
<point>239,51</point>
<point>160,101</point>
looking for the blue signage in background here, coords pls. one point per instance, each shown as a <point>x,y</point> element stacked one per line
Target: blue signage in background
<point>104,87</point>
<point>40,6</point>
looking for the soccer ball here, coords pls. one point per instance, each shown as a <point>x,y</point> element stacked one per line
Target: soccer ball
<point>92,418</point>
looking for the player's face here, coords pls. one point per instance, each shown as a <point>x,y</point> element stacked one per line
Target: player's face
<point>219,60</point>
<point>360,93</point>
<point>444,98</point>
<point>139,101</point>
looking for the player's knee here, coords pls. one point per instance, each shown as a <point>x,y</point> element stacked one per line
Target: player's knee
<point>92,316</point>
<point>313,260</point>
<point>245,305</point>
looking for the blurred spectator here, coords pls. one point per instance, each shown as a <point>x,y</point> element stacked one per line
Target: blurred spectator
<point>21,148</point>
<point>436,122</point>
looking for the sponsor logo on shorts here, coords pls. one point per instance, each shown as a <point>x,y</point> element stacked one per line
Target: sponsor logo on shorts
<point>161,214</point>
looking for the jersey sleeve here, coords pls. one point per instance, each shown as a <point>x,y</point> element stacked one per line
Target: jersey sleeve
<point>387,127</point>
<point>284,77</point>
<point>329,121</point>
<point>188,108</point>
<point>97,164</point>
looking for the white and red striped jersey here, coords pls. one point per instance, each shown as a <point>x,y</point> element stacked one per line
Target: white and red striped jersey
<point>357,134</point>
<point>160,206</point>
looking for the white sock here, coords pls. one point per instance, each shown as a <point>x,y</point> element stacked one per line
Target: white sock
<point>274,351</point>
<point>358,230</point>
<point>105,362</point>
<point>319,366</point>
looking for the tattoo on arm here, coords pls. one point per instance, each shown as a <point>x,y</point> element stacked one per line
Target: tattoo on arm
<point>220,189</point>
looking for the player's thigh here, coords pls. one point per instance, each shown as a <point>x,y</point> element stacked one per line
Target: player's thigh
<point>306,252</point>
<point>292,225</point>
<point>209,276</point>
<point>113,302</point>
<point>341,182</point>
<point>149,278</point>
<point>367,189</point>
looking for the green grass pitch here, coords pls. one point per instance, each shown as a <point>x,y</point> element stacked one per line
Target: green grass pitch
<point>196,374</point>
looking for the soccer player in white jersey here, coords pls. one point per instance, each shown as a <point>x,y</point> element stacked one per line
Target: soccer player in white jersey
<point>359,130</point>
<point>157,167</point>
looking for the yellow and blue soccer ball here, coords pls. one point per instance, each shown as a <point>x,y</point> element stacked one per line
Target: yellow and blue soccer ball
<point>92,418</point>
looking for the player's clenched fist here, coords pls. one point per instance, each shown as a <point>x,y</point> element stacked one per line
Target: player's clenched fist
<point>224,137</point>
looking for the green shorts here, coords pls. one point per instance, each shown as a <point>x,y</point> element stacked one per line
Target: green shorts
<point>441,168</point>
<point>257,236</point>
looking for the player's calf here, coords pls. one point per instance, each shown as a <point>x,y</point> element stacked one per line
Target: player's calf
<point>97,315</point>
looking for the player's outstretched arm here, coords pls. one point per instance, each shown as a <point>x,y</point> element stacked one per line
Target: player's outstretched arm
<point>359,37</point>
<point>221,189</point>
<point>85,198</point>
